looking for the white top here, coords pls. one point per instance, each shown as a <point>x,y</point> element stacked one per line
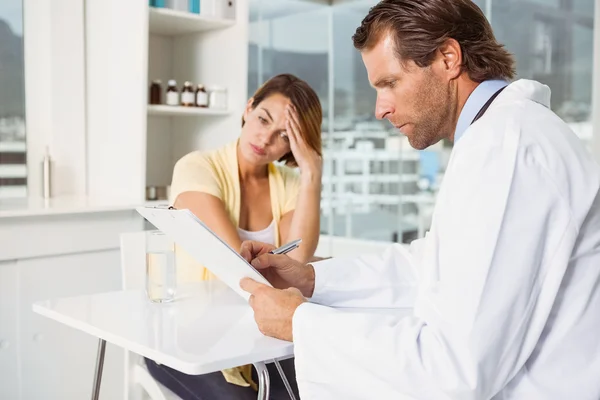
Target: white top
<point>209,329</point>
<point>266,235</point>
<point>504,288</point>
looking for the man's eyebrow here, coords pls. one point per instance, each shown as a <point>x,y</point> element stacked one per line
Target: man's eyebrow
<point>268,113</point>
<point>384,81</point>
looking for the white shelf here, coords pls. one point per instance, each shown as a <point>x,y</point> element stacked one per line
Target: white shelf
<point>175,111</point>
<point>164,21</point>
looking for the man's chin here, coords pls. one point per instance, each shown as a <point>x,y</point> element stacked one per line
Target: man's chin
<point>417,143</point>
<point>420,141</point>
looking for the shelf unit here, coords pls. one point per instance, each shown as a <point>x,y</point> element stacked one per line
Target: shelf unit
<point>163,21</point>
<point>191,47</point>
<point>132,144</point>
<point>175,111</point>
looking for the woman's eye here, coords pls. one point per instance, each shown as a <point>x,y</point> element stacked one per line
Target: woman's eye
<point>284,136</point>
<point>262,120</point>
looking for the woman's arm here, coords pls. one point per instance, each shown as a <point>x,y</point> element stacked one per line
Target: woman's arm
<point>210,210</point>
<point>304,221</point>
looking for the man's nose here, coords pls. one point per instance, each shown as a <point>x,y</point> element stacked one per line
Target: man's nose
<point>383,108</point>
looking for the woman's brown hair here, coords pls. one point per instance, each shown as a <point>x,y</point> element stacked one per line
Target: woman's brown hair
<point>306,102</point>
<point>420,27</point>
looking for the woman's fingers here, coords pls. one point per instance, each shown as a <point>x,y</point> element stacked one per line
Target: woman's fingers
<point>293,128</point>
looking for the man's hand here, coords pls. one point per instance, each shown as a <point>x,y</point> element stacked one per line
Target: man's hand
<point>252,249</point>
<point>273,308</point>
<point>280,270</point>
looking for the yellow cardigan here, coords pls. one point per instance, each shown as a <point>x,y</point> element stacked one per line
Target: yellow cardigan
<point>216,173</point>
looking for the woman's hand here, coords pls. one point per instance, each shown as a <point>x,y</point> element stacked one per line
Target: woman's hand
<point>309,161</point>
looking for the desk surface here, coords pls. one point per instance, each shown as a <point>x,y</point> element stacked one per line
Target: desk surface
<point>208,329</point>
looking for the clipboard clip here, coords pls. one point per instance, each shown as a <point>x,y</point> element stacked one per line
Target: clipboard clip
<point>164,207</point>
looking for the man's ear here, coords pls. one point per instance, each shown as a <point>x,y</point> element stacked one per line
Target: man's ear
<point>449,59</point>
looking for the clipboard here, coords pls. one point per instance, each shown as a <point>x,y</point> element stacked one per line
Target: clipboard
<point>185,229</point>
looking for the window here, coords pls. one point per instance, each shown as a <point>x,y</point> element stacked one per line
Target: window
<point>375,186</point>
<point>553,43</point>
<point>13,168</point>
<point>289,37</point>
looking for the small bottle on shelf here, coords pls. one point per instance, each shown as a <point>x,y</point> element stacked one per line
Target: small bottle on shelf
<point>172,93</point>
<point>217,97</point>
<point>155,92</point>
<point>188,97</point>
<point>194,6</point>
<point>201,96</point>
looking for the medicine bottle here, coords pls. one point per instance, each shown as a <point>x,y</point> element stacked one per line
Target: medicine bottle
<point>201,96</point>
<point>155,92</point>
<point>188,97</point>
<point>172,93</point>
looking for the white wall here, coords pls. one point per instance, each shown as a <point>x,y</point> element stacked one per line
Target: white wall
<point>55,93</point>
<point>116,62</point>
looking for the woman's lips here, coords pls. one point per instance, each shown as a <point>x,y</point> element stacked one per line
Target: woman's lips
<point>258,150</point>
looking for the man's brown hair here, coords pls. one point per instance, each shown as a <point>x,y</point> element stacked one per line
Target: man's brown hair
<point>420,27</point>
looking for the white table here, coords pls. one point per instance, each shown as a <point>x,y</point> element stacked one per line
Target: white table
<point>207,329</point>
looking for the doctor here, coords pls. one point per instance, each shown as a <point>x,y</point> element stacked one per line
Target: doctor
<point>505,288</point>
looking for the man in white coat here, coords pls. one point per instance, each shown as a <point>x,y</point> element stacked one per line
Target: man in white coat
<point>504,291</point>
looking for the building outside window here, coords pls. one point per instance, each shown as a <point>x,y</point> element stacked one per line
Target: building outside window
<point>374,185</point>
<point>13,149</point>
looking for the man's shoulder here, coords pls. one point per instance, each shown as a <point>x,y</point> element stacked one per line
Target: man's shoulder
<point>537,138</point>
<point>533,126</point>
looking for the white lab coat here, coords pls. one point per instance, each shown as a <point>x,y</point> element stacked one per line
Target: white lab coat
<point>504,289</point>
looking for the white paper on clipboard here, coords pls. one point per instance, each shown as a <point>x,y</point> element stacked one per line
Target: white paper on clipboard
<point>185,229</point>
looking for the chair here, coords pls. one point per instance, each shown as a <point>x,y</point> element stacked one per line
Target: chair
<point>139,384</point>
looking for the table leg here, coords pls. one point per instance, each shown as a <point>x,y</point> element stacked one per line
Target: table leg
<point>99,367</point>
<point>263,381</point>
<point>288,387</point>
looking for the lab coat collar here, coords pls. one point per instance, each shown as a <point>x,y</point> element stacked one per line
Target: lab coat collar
<point>476,101</point>
<point>522,89</point>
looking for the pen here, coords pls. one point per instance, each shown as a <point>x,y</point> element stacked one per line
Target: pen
<point>286,248</point>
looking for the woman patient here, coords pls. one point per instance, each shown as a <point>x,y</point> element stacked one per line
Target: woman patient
<point>241,194</point>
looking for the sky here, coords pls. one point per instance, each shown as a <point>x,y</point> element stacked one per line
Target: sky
<point>12,12</point>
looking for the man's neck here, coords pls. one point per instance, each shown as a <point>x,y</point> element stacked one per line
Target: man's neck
<point>465,87</point>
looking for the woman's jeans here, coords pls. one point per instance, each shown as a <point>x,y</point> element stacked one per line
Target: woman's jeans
<point>214,386</point>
